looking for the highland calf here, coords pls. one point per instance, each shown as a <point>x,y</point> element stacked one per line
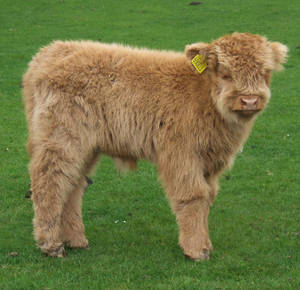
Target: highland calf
<point>83,99</point>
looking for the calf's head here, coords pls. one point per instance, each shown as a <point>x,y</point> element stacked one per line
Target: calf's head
<point>240,67</point>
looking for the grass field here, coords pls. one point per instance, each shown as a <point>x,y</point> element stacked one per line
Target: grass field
<point>254,222</point>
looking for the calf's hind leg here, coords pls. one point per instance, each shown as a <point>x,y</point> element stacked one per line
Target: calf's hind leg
<point>55,172</point>
<point>72,226</point>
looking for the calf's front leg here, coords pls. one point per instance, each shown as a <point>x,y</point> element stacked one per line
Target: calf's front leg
<point>192,219</point>
<point>189,195</point>
<point>72,225</point>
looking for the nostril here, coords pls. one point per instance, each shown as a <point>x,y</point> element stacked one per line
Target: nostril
<point>244,102</point>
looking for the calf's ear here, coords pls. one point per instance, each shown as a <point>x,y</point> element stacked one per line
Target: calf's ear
<point>205,50</point>
<point>196,48</point>
<point>279,55</point>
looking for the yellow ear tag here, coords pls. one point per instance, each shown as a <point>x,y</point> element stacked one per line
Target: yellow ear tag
<point>199,63</point>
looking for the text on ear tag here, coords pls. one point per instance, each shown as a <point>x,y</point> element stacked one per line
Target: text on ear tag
<point>199,63</point>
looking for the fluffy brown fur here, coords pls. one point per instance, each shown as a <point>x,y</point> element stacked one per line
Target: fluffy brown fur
<point>83,99</point>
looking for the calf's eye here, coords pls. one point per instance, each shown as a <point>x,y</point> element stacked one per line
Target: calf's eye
<point>226,77</point>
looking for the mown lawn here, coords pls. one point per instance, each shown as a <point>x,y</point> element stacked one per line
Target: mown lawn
<point>254,222</point>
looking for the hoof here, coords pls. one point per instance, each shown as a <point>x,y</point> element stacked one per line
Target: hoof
<point>60,253</point>
<point>54,251</point>
<point>204,256</point>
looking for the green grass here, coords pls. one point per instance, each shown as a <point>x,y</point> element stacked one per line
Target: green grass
<point>254,222</point>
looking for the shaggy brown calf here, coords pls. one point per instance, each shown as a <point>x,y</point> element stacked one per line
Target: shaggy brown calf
<point>84,98</point>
